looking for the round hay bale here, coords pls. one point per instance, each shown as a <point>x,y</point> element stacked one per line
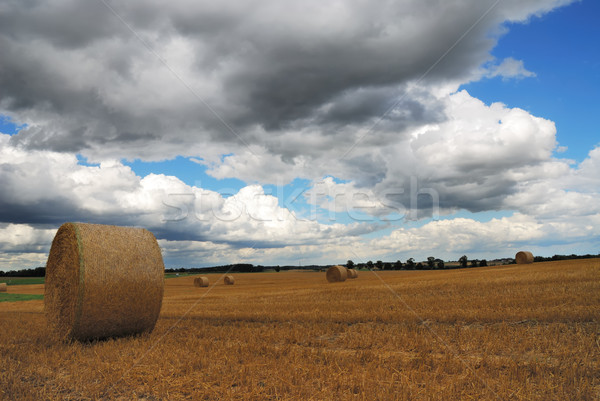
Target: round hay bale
<point>3,287</point>
<point>524,257</point>
<point>103,281</point>
<point>201,282</point>
<point>336,274</point>
<point>352,273</point>
<point>229,280</point>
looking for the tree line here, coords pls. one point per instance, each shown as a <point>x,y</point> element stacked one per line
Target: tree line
<point>430,264</point>
<point>410,264</point>
<point>463,262</point>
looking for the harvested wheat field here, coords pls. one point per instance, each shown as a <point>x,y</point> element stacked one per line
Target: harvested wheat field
<point>519,332</point>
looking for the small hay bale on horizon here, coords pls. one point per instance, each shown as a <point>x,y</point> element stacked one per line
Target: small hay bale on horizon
<point>201,282</point>
<point>103,281</point>
<point>524,257</point>
<point>3,287</point>
<point>352,273</point>
<point>228,280</point>
<point>336,274</point>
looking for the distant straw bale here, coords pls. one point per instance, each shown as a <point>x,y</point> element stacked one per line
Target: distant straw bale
<point>524,257</point>
<point>3,287</point>
<point>229,280</point>
<point>201,281</point>
<point>352,273</point>
<point>336,274</point>
<point>103,281</point>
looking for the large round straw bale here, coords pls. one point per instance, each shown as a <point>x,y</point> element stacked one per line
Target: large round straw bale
<point>103,281</point>
<point>3,287</point>
<point>201,281</point>
<point>337,273</point>
<point>352,273</point>
<point>524,257</point>
<point>229,280</point>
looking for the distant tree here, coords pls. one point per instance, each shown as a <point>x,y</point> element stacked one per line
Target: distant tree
<point>370,265</point>
<point>277,269</point>
<point>431,262</point>
<point>387,266</point>
<point>350,264</point>
<point>37,272</point>
<point>379,264</point>
<point>440,264</point>
<point>474,263</point>
<point>483,263</point>
<point>463,261</point>
<point>397,265</point>
<point>419,266</point>
<point>410,263</point>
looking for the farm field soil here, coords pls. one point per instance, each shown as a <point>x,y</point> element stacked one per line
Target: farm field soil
<point>519,332</point>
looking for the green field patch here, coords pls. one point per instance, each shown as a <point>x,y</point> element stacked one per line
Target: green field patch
<point>5,297</point>
<point>21,280</point>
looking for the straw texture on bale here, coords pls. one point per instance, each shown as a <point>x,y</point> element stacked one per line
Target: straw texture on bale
<point>103,281</point>
<point>3,287</point>
<point>336,274</point>
<point>352,273</point>
<point>229,280</point>
<point>201,281</point>
<point>524,257</point>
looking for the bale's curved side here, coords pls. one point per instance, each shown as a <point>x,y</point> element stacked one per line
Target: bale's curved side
<point>336,274</point>
<point>103,281</point>
<point>3,287</point>
<point>201,281</point>
<point>524,257</point>
<point>352,273</point>
<point>229,280</point>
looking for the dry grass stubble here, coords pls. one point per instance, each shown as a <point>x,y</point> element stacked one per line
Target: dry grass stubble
<point>518,332</point>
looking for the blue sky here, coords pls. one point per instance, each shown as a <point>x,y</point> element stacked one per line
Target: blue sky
<point>8,126</point>
<point>562,49</point>
<point>278,146</point>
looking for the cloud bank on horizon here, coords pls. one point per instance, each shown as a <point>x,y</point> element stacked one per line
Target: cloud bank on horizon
<point>360,102</point>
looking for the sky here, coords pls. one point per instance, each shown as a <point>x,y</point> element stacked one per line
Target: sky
<point>289,133</point>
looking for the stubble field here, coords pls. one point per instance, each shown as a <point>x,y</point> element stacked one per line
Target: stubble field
<point>520,332</point>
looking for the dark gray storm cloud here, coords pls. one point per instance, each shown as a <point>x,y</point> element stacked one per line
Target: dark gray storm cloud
<point>82,76</point>
<point>353,90</point>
